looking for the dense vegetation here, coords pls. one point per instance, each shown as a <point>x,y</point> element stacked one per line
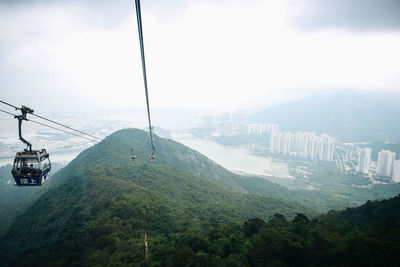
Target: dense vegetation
<point>365,236</point>
<point>13,200</point>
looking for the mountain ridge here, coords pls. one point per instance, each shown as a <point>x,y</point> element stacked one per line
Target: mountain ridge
<point>104,203</point>
<point>349,115</point>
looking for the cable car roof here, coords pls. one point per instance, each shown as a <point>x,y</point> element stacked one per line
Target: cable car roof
<point>42,154</point>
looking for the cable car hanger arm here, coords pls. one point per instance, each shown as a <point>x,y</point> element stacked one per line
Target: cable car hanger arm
<point>24,110</point>
<point>65,126</point>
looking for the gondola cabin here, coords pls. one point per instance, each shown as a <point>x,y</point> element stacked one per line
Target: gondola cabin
<point>133,156</point>
<point>31,167</point>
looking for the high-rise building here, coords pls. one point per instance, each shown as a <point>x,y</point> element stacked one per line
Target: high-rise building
<point>229,128</point>
<point>239,117</point>
<point>386,160</point>
<point>286,143</point>
<point>259,128</point>
<point>306,145</point>
<point>347,156</point>
<point>326,147</point>
<point>222,118</point>
<point>256,128</point>
<point>208,122</point>
<point>364,158</point>
<point>396,171</point>
<point>274,142</point>
<point>272,127</point>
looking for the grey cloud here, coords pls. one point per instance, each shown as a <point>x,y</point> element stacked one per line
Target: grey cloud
<point>105,13</point>
<point>353,15</point>
<point>121,8</point>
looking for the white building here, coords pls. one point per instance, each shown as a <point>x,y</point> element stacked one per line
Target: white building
<point>272,127</point>
<point>208,122</point>
<point>386,160</point>
<point>229,130</point>
<point>259,128</point>
<point>306,145</point>
<point>238,118</point>
<point>274,142</point>
<point>364,159</point>
<point>396,171</point>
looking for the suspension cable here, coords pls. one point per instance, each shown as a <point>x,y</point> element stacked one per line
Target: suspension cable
<point>5,103</point>
<point>58,129</point>
<point>7,112</point>
<point>43,118</point>
<point>140,30</point>
<point>95,137</point>
<point>49,126</point>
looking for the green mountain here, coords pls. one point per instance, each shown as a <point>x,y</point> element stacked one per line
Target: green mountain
<point>351,116</point>
<point>104,203</point>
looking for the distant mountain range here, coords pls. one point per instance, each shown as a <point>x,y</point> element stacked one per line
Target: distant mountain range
<point>349,115</point>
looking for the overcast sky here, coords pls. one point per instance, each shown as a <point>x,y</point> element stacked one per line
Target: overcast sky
<point>219,55</point>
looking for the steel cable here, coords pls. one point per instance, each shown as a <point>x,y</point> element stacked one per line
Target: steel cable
<point>60,124</point>
<point>140,30</point>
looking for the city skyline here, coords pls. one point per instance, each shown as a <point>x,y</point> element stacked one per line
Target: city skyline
<point>303,144</point>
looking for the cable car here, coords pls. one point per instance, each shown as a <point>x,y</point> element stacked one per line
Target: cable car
<point>133,156</point>
<point>31,167</point>
<point>152,157</point>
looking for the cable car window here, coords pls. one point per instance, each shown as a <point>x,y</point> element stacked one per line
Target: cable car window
<point>46,164</point>
<point>33,163</point>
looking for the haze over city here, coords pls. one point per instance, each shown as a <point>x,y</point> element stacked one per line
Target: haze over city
<point>201,55</point>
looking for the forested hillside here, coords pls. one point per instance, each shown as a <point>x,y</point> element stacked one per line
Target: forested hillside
<point>105,203</point>
<point>15,200</point>
<point>364,236</point>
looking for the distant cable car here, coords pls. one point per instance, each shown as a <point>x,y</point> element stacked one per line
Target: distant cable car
<point>31,167</point>
<point>152,157</point>
<point>133,156</point>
